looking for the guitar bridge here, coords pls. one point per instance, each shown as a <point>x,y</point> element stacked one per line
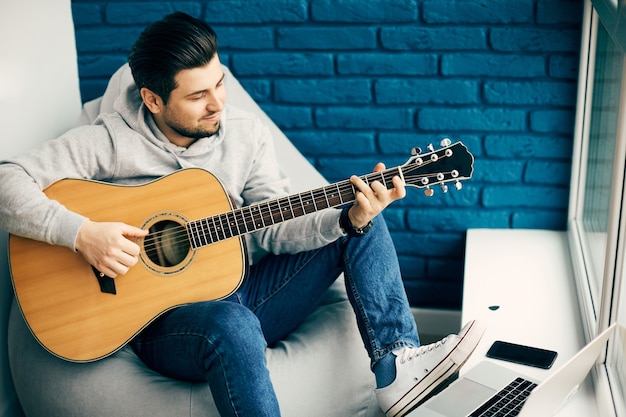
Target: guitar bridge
<point>107,284</point>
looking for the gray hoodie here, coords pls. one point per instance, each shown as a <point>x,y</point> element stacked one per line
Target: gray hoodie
<point>126,147</point>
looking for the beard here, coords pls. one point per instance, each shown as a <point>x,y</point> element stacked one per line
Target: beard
<point>195,133</point>
<point>188,129</point>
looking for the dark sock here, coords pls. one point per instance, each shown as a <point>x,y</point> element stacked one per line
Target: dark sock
<point>385,370</point>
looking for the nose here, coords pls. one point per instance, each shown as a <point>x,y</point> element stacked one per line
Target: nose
<point>215,103</point>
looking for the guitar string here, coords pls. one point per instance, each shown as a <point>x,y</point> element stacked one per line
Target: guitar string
<point>178,234</point>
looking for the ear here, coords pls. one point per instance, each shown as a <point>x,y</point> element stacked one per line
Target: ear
<point>152,100</point>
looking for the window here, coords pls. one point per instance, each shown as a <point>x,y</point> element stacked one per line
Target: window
<point>597,215</point>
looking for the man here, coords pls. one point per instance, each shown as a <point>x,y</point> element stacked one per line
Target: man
<point>174,116</point>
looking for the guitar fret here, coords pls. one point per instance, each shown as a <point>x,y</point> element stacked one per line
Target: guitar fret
<point>192,235</point>
<point>306,204</point>
<point>257,222</point>
<point>314,201</point>
<point>200,232</point>
<point>225,226</point>
<point>287,211</point>
<point>266,215</point>
<point>274,211</point>
<point>241,220</point>
<point>232,223</point>
<point>321,202</point>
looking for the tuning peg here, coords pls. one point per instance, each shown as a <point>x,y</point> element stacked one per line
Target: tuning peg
<point>445,142</point>
<point>429,192</point>
<point>458,184</point>
<point>444,188</point>
<point>416,151</point>
<point>430,147</point>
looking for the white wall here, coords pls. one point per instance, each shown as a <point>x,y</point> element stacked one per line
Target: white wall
<point>39,99</point>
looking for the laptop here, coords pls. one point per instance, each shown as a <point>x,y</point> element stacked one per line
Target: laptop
<point>488,388</point>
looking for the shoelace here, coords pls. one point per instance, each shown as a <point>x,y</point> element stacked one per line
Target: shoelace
<point>411,352</point>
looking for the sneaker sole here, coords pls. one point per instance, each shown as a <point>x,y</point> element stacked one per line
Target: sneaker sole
<point>444,369</point>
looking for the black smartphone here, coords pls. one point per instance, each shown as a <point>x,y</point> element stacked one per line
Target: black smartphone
<point>525,355</point>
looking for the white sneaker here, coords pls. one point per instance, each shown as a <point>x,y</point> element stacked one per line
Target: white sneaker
<point>420,370</point>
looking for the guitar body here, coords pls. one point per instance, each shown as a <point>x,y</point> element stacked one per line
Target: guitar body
<point>81,316</point>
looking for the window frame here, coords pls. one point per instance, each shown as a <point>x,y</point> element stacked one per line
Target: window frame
<point>606,304</point>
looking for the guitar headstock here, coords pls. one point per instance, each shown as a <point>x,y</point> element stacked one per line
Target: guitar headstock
<point>450,163</point>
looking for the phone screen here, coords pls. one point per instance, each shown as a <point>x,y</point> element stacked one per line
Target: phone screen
<point>525,355</point>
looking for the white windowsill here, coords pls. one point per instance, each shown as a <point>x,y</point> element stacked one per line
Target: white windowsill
<point>528,276</point>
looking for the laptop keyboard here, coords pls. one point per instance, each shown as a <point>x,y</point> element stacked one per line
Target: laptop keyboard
<point>508,401</point>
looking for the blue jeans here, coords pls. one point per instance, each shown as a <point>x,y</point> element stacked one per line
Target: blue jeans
<point>223,342</point>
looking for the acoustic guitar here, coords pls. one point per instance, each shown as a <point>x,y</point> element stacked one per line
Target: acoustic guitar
<point>81,315</point>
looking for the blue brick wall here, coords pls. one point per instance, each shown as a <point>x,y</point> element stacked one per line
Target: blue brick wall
<point>353,82</point>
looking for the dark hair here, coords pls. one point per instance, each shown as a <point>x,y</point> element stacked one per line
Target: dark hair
<point>166,47</point>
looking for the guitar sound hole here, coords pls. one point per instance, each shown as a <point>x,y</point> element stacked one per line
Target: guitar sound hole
<point>167,244</point>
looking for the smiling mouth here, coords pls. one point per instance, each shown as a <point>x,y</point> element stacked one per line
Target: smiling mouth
<point>215,117</point>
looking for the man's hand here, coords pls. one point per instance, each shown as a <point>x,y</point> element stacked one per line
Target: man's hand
<point>372,199</point>
<point>109,247</point>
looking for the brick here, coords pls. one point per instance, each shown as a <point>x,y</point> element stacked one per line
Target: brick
<point>359,11</point>
<point>555,12</point>
<point>289,117</point>
<point>339,168</point>
<point>394,217</point>
<point>564,67</point>
<point>320,91</point>
<point>91,89</point>
<point>473,119</point>
<point>86,14</point>
<point>468,196</point>
<point>535,40</point>
<point>445,269</point>
<point>528,146</point>
<point>100,65</point>
<point>447,295</point>
<point>412,267</point>
<point>374,63</point>
<point>402,142</point>
<point>423,91</point>
<point>501,171</point>
<point>555,93</point>
<point>333,142</point>
<point>433,38</point>
<point>106,39</point>
<point>256,11</point>
<point>548,172</point>
<point>259,90</point>
<point>286,64</point>
<point>456,219</point>
<point>429,244</point>
<point>143,13</point>
<point>243,38</point>
<point>554,121</point>
<point>492,65</point>
<point>536,219</point>
<point>364,118</point>
<point>478,11</point>
<point>316,38</point>
<point>525,196</point>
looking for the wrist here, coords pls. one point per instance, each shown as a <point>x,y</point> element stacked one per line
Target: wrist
<point>348,227</point>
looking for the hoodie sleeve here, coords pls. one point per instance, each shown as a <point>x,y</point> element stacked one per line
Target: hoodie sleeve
<point>25,210</point>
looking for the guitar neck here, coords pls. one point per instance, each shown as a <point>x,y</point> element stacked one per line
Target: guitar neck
<point>258,216</point>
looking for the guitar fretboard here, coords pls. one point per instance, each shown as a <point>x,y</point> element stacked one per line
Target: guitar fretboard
<point>258,216</point>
